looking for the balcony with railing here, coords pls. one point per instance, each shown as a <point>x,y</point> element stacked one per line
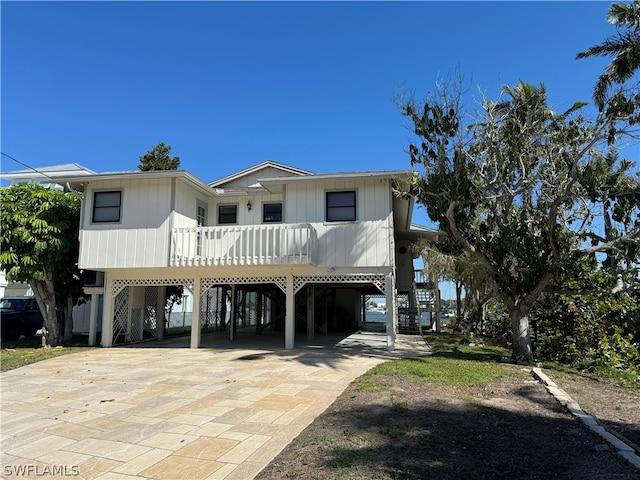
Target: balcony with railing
<point>233,245</point>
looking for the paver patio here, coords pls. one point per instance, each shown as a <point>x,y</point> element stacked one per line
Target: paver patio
<point>160,410</point>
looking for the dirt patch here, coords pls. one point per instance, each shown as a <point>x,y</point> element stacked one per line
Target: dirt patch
<point>616,409</point>
<point>509,428</point>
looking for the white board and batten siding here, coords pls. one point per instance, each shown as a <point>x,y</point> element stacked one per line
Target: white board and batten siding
<point>140,239</point>
<point>367,242</point>
<point>186,201</point>
<point>152,207</point>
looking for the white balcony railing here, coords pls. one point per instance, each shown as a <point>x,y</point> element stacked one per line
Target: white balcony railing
<point>243,245</point>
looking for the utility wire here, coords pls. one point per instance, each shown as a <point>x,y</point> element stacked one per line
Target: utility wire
<point>25,165</point>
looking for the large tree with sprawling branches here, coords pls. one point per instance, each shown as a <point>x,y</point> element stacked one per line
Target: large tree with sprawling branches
<point>523,190</point>
<point>39,245</point>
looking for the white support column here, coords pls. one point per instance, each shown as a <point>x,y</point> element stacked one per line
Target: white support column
<point>93,318</point>
<point>311,311</point>
<point>391,315</point>
<point>108,310</point>
<point>290,315</point>
<point>160,313</point>
<point>195,317</point>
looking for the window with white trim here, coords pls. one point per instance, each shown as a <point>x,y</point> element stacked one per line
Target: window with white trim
<point>106,206</point>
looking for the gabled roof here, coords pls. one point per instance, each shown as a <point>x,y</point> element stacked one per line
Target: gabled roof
<point>252,172</point>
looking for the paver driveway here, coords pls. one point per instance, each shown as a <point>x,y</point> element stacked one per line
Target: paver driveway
<point>159,411</point>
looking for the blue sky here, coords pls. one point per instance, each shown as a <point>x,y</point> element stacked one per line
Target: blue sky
<point>231,84</point>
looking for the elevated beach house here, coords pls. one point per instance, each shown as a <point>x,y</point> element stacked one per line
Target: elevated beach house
<point>270,248</point>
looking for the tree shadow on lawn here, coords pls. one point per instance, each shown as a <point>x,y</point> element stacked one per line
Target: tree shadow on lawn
<point>457,347</point>
<point>478,356</point>
<point>436,435</point>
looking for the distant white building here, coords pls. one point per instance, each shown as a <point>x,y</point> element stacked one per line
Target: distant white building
<point>45,176</point>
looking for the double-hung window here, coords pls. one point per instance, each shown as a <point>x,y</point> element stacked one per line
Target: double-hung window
<point>341,206</point>
<point>106,206</point>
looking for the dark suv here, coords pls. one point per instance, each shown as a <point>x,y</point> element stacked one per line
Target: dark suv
<point>19,316</point>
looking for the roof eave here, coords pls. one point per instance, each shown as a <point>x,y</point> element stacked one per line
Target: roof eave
<point>275,185</point>
<point>78,182</point>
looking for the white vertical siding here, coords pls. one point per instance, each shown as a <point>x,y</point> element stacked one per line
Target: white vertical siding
<point>185,206</point>
<point>151,208</point>
<point>141,239</point>
<point>363,243</point>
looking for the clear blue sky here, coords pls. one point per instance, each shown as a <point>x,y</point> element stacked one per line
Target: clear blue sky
<point>231,84</point>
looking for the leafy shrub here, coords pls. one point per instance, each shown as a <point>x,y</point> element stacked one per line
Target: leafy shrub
<point>586,330</point>
<point>618,350</point>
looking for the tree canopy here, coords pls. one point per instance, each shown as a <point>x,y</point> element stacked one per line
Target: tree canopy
<point>159,158</point>
<point>39,245</point>
<point>519,188</point>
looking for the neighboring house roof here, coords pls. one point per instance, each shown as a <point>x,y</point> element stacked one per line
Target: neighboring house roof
<point>246,178</point>
<point>43,175</point>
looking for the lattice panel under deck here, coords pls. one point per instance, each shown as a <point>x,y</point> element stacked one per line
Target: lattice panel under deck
<point>377,280</point>
<point>120,314</point>
<point>207,283</point>
<point>120,283</point>
<point>136,331</point>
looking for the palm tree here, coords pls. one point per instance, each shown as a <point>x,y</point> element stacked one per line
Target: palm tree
<point>623,47</point>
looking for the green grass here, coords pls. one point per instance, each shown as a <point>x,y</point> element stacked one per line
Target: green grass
<point>454,363</point>
<point>29,350</point>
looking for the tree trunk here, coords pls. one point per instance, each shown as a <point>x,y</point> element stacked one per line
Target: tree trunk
<point>45,296</point>
<point>68,321</point>
<point>521,348</point>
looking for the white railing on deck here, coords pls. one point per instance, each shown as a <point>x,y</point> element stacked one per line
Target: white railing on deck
<point>243,245</point>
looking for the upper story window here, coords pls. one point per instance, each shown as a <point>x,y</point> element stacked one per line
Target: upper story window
<point>227,214</point>
<point>341,206</point>
<point>272,212</point>
<point>106,206</point>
